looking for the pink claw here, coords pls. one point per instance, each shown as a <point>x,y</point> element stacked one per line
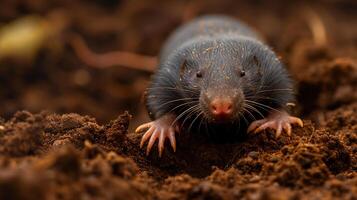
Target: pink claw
<point>159,129</point>
<point>278,121</point>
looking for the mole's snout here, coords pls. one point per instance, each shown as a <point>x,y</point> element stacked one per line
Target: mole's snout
<point>222,105</point>
<point>221,108</point>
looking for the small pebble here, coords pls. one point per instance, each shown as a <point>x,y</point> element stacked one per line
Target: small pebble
<point>341,176</point>
<point>255,179</point>
<point>253,154</point>
<point>274,159</point>
<point>61,142</point>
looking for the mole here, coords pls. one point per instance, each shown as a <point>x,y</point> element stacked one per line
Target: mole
<point>215,72</point>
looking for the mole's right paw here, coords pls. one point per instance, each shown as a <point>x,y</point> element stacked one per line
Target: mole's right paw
<point>278,121</point>
<point>161,129</point>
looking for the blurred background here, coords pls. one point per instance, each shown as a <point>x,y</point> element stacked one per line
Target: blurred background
<point>39,69</point>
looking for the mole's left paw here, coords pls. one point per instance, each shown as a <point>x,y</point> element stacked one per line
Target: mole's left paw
<point>277,121</point>
<point>160,129</point>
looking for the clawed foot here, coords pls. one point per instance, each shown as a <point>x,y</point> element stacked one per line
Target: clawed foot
<point>160,129</point>
<point>278,121</point>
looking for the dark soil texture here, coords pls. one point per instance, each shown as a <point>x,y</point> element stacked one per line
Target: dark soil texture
<point>92,153</point>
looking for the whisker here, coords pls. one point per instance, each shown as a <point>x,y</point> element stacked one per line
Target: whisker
<point>187,103</point>
<point>275,90</point>
<point>189,128</point>
<point>246,110</point>
<point>202,119</point>
<point>176,100</point>
<point>182,114</point>
<point>190,114</point>
<point>262,98</point>
<point>172,88</point>
<point>269,98</point>
<point>245,120</point>
<point>254,109</point>
<point>206,128</point>
<point>259,104</point>
<point>261,107</point>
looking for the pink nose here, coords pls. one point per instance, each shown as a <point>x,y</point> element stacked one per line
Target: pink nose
<point>221,107</point>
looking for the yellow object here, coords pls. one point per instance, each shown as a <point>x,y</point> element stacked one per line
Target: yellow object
<point>23,37</point>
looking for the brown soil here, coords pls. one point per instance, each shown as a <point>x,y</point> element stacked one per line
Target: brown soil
<point>74,156</point>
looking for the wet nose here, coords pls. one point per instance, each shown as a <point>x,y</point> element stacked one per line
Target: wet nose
<point>221,107</point>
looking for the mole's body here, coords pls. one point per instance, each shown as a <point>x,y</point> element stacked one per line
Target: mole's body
<point>215,71</point>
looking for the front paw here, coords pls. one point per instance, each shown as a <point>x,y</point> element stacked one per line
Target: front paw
<point>160,129</point>
<point>278,121</point>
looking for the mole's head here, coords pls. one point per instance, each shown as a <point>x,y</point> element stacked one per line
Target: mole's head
<point>225,76</point>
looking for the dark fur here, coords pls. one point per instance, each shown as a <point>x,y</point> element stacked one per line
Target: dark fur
<point>219,49</point>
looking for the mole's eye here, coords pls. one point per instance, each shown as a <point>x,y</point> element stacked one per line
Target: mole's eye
<point>199,74</point>
<point>242,73</point>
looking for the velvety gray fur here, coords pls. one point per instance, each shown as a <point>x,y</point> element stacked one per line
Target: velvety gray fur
<point>217,55</point>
